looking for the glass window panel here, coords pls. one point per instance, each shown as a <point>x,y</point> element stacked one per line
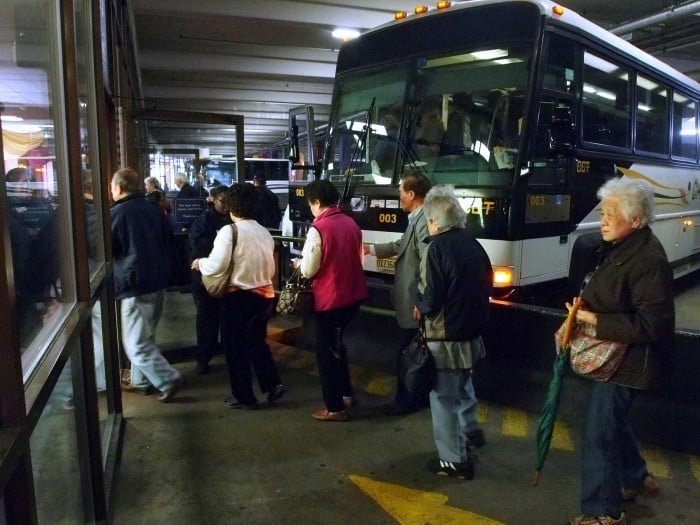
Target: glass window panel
<point>606,107</point>
<point>54,452</point>
<point>36,174</point>
<point>561,64</point>
<point>88,135</point>
<point>685,127</point>
<point>652,116</point>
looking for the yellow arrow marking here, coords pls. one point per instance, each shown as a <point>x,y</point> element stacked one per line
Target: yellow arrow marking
<point>695,466</point>
<point>417,507</point>
<point>514,423</point>
<point>657,462</point>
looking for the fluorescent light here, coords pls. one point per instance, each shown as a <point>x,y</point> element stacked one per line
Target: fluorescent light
<point>490,54</point>
<point>345,34</point>
<point>11,118</point>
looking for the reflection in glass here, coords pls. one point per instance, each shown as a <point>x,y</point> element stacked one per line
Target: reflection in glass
<point>55,464</point>
<point>35,178</point>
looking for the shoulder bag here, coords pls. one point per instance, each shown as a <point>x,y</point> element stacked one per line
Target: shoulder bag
<point>296,298</point>
<point>416,364</point>
<point>216,285</point>
<point>590,357</point>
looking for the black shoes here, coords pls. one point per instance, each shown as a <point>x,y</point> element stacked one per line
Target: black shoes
<point>276,393</point>
<point>231,402</point>
<point>464,470</point>
<point>476,438</point>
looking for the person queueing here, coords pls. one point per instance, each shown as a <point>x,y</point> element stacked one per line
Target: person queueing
<point>332,256</point>
<point>202,233</point>
<point>141,248</point>
<point>452,298</point>
<point>628,298</point>
<point>408,249</point>
<point>248,305</point>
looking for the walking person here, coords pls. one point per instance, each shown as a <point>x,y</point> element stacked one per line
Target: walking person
<point>628,298</point>
<point>141,248</point>
<point>332,257</point>
<point>452,297</point>
<point>201,236</point>
<point>248,305</point>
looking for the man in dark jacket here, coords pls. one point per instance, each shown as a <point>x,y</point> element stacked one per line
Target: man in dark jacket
<point>201,237</point>
<point>141,246</point>
<point>269,213</point>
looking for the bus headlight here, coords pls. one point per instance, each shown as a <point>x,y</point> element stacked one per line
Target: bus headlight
<point>502,276</point>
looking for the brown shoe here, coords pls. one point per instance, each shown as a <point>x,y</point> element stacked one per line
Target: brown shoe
<point>167,394</point>
<point>143,390</point>
<point>324,415</point>
<point>649,487</point>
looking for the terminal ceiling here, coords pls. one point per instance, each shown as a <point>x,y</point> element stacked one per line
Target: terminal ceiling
<point>259,58</point>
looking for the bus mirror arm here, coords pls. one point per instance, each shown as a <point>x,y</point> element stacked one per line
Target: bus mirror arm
<point>561,132</point>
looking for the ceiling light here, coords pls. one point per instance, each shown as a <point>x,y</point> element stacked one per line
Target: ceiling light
<point>345,34</point>
<point>11,118</point>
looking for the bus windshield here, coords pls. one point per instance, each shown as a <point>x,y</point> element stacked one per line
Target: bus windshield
<point>456,117</point>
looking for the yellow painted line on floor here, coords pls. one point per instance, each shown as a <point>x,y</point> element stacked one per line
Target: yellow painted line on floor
<point>561,437</point>
<point>514,423</point>
<point>695,466</point>
<point>417,507</point>
<point>657,463</point>
<point>380,384</point>
<point>483,412</point>
<point>303,360</point>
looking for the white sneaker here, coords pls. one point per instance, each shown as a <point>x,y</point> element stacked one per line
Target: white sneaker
<point>598,520</point>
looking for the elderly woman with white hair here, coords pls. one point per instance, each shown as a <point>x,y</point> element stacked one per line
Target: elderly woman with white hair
<point>452,297</point>
<point>627,298</point>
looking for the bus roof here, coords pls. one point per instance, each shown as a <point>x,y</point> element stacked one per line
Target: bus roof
<point>573,20</point>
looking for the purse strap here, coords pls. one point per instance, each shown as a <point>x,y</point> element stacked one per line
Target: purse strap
<point>234,241</point>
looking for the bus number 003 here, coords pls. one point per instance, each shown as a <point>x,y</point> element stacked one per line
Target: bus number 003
<point>388,218</point>
<point>299,192</point>
<point>537,200</point>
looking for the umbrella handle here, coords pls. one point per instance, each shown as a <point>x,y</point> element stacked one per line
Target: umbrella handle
<point>569,327</point>
<point>536,479</point>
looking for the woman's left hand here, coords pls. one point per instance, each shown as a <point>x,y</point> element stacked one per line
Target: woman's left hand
<point>195,265</point>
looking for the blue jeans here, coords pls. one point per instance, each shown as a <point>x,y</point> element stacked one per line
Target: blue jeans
<point>611,458</point>
<point>139,319</point>
<point>453,408</point>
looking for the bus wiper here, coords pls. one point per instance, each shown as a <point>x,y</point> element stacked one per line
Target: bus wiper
<point>359,153</point>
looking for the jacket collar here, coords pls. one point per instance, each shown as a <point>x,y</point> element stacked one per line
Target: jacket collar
<point>621,252</point>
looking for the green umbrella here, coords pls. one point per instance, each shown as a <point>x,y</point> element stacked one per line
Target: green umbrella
<point>545,427</point>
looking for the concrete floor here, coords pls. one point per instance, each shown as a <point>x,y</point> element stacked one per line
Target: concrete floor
<point>193,461</point>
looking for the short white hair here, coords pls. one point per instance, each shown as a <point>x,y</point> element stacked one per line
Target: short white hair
<point>441,205</point>
<point>180,176</point>
<point>635,198</point>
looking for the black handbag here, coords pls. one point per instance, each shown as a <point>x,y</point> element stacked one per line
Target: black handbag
<point>416,365</point>
<point>296,298</point>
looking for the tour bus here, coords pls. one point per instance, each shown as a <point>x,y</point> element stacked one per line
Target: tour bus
<point>526,108</point>
<point>276,172</point>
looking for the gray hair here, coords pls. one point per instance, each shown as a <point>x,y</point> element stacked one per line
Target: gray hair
<point>635,198</point>
<point>181,176</point>
<point>441,205</point>
<point>154,181</point>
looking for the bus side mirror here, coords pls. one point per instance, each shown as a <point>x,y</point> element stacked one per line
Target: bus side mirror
<point>561,132</point>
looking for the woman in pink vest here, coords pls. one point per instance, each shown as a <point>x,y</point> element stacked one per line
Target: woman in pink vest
<point>332,256</point>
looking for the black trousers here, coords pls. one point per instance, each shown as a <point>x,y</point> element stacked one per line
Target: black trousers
<point>332,356</point>
<point>207,321</point>
<point>244,316</point>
